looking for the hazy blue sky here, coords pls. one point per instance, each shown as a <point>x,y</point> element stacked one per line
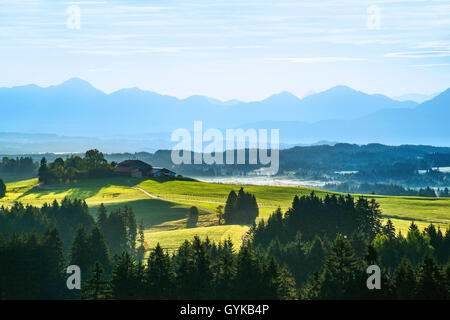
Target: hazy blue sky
<point>246,49</point>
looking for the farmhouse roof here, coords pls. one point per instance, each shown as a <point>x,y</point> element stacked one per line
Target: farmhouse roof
<point>136,164</point>
<point>126,169</point>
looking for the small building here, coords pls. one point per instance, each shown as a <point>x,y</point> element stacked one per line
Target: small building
<point>134,168</point>
<point>139,169</point>
<point>127,171</point>
<point>162,172</point>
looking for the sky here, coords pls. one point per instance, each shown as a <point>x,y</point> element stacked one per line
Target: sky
<point>228,49</point>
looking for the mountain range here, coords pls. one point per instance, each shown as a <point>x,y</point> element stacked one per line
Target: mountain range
<point>76,108</point>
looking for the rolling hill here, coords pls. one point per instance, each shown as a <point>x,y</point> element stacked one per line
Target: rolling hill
<point>164,213</point>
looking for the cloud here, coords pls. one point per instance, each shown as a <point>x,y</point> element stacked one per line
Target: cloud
<point>316,59</point>
<point>419,54</point>
<point>433,65</point>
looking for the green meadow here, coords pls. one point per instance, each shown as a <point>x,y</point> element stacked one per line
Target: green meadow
<point>164,210</point>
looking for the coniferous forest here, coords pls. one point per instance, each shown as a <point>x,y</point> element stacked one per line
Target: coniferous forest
<point>319,248</point>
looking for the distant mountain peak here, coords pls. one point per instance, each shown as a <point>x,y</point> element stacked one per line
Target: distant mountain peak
<point>75,81</point>
<point>76,84</point>
<point>283,96</point>
<point>341,89</point>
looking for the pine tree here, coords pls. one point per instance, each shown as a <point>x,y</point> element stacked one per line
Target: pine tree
<point>131,228</point>
<point>430,280</point>
<point>159,275</point>
<point>202,274</point>
<point>43,171</point>
<point>96,288</point>
<point>79,252</point>
<point>341,271</point>
<point>102,216</point>
<point>249,278</point>
<point>98,249</point>
<point>54,259</point>
<point>124,279</point>
<point>141,248</point>
<point>229,213</point>
<point>371,257</point>
<point>286,285</point>
<point>2,188</point>
<point>404,281</point>
<point>389,229</point>
<point>225,272</point>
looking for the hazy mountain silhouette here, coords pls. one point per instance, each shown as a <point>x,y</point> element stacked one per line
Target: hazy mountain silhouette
<point>76,108</point>
<point>426,124</point>
<point>417,97</point>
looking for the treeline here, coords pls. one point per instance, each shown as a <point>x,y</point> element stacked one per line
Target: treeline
<point>37,245</point>
<point>240,208</point>
<point>32,266</point>
<point>18,166</point>
<point>93,165</point>
<point>325,269</point>
<point>401,173</point>
<point>69,217</point>
<point>198,270</point>
<point>385,189</point>
<point>343,276</point>
<point>313,216</point>
<point>317,249</point>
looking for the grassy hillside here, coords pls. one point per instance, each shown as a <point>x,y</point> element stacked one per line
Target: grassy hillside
<point>270,197</point>
<point>164,207</point>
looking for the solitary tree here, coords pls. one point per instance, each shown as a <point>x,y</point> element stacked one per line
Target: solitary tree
<point>219,211</point>
<point>2,189</point>
<point>192,217</point>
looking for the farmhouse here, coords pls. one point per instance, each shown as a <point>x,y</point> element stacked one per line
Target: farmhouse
<point>162,172</point>
<point>138,169</point>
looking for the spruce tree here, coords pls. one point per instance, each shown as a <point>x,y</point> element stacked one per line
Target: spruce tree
<point>430,280</point>
<point>53,256</point>
<point>286,288</point>
<point>225,272</point>
<point>140,253</point>
<point>102,216</point>
<point>159,275</point>
<point>96,288</point>
<point>249,278</point>
<point>2,188</point>
<point>341,271</point>
<point>80,251</point>
<point>98,249</point>
<point>404,281</point>
<point>229,213</point>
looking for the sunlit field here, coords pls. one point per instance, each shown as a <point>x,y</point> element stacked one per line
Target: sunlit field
<point>164,211</point>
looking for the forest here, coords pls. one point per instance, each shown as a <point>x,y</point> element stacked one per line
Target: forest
<point>318,249</point>
<point>386,189</point>
<point>93,165</point>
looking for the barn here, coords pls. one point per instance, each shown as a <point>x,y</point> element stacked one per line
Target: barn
<point>138,169</point>
<point>134,168</point>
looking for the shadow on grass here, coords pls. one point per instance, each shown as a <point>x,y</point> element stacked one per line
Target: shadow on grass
<point>151,211</point>
<point>163,179</point>
<point>12,177</point>
<point>81,190</point>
